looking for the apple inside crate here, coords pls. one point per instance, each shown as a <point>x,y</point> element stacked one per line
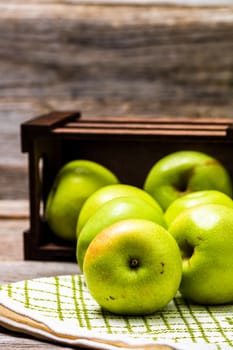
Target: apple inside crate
<point>128,146</point>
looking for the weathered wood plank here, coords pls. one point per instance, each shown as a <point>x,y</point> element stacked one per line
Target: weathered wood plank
<point>15,341</point>
<point>13,221</point>
<point>13,180</point>
<point>150,55</point>
<point>132,2</point>
<point>11,247</point>
<point>13,270</point>
<point>14,210</point>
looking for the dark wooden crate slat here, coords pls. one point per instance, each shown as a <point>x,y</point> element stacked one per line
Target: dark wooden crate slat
<point>174,126</point>
<point>51,120</point>
<point>62,122</point>
<point>49,252</point>
<point>32,128</point>
<point>149,126</point>
<point>151,120</point>
<point>162,132</point>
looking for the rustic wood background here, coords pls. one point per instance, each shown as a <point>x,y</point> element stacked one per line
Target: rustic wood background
<point>110,60</point>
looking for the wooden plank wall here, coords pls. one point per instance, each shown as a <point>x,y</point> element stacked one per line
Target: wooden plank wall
<point>109,60</point>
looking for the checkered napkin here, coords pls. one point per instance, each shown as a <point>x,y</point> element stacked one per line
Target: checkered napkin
<point>60,309</point>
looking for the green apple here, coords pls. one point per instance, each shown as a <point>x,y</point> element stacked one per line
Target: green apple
<point>133,267</point>
<point>74,183</point>
<point>193,199</point>
<point>205,237</point>
<point>183,172</point>
<point>114,210</point>
<point>107,193</point>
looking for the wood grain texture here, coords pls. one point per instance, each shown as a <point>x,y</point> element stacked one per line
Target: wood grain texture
<point>13,221</point>
<point>67,51</point>
<point>147,60</point>
<point>151,56</point>
<point>16,341</point>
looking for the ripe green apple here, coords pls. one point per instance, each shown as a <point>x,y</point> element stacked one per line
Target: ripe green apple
<point>193,199</point>
<point>114,210</point>
<point>183,172</point>
<point>74,183</point>
<point>133,267</point>
<point>107,193</point>
<point>205,237</point>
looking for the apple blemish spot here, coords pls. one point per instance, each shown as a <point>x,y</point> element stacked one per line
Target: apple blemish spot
<point>162,268</point>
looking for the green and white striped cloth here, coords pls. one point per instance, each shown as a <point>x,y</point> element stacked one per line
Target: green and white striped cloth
<point>60,309</point>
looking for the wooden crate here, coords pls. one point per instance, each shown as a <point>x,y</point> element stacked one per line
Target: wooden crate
<point>127,146</point>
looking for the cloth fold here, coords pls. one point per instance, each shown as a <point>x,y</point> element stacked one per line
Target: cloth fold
<point>60,309</point>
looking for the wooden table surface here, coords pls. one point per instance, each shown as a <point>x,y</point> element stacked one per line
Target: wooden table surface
<point>13,221</point>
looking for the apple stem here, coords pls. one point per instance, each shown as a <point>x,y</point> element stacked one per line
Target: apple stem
<point>134,262</point>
